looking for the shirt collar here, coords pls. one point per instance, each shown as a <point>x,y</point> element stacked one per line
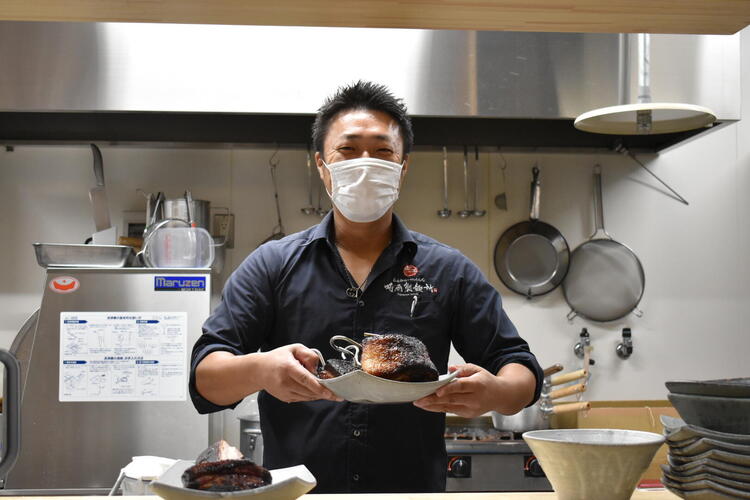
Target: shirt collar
<point>401,234</point>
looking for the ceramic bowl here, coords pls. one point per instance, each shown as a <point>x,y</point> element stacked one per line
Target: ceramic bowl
<point>591,464</point>
<point>721,414</point>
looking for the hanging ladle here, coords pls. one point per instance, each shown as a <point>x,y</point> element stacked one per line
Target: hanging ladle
<point>445,212</point>
<point>466,212</point>
<point>278,230</point>
<point>309,209</point>
<point>476,212</point>
<point>501,200</point>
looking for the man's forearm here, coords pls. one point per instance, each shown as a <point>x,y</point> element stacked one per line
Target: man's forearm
<point>224,378</point>
<point>518,387</point>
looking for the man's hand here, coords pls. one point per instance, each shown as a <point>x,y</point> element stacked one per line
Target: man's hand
<point>477,391</point>
<point>287,374</point>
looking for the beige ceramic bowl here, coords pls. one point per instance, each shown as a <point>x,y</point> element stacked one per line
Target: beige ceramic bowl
<point>593,464</point>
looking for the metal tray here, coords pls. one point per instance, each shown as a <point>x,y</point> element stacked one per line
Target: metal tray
<point>71,255</point>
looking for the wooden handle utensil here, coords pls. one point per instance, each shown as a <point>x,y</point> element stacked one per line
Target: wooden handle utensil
<point>570,407</point>
<point>567,391</point>
<point>557,367</point>
<point>569,377</point>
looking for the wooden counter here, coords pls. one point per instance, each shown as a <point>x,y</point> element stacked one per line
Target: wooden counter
<point>588,16</point>
<point>638,495</point>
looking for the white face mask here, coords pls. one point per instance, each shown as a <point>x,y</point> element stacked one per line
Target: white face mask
<point>363,189</point>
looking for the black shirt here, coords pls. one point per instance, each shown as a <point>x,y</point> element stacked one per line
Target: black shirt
<point>295,290</point>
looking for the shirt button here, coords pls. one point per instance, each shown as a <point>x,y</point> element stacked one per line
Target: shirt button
<point>356,433</point>
<point>355,477</point>
<point>361,303</point>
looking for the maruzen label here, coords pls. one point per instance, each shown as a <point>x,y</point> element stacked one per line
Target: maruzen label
<point>64,284</point>
<point>180,283</point>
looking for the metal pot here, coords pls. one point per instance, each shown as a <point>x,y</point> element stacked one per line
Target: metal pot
<point>200,211</point>
<point>537,416</point>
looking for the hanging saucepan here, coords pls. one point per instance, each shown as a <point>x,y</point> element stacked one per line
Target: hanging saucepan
<point>605,281</point>
<point>531,257</point>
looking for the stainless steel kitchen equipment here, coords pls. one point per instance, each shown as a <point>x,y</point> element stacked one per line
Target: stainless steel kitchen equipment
<point>251,438</point>
<point>530,85</point>
<point>501,199</point>
<point>481,458</point>
<point>74,255</point>
<point>605,280</point>
<point>309,209</point>
<point>531,257</point>
<point>466,212</point>
<point>476,211</point>
<point>278,230</point>
<point>104,366</point>
<point>537,416</point>
<point>180,208</point>
<point>98,194</point>
<point>445,212</point>
<point>10,417</point>
<point>645,117</point>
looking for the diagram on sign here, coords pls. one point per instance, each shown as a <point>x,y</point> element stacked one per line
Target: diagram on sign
<point>123,356</point>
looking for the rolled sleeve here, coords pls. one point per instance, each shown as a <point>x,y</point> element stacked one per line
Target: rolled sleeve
<point>483,333</point>
<point>241,320</point>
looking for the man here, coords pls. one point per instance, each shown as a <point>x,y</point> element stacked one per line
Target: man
<point>360,270</point>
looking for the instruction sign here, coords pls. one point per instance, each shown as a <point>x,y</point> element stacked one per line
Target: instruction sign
<point>123,356</point>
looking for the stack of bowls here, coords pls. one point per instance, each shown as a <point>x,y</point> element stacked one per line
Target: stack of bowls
<point>709,448</point>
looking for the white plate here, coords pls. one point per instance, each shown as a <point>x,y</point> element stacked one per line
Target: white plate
<point>288,484</point>
<point>361,387</point>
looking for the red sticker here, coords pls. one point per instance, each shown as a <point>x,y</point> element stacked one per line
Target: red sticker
<point>410,271</point>
<point>64,284</point>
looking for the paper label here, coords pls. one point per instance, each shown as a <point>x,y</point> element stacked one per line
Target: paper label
<point>123,356</point>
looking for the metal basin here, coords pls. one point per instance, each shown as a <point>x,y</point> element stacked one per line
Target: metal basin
<point>593,464</point>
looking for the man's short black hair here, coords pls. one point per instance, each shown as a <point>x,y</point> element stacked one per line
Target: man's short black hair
<point>362,95</point>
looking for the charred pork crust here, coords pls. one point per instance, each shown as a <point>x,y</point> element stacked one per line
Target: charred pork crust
<point>226,475</point>
<point>397,357</point>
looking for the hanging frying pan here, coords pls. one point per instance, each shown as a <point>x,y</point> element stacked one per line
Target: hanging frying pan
<point>531,257</point>
<point>605,281</point>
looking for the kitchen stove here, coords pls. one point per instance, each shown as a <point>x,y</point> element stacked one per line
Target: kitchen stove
<point>482,458</point>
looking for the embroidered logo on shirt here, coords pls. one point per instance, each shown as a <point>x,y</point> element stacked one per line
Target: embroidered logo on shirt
<point>407,287</point>
<point>410,271</point>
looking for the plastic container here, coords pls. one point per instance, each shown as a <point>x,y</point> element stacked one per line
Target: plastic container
<point>179,247</point>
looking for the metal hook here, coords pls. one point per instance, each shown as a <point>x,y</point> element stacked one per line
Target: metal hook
<point>320,357</point>
<point>273,161</point>
<point>620,148</point>
<point>347,351</point>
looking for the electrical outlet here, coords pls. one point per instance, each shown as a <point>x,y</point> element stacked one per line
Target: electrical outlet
<point>224,226</point>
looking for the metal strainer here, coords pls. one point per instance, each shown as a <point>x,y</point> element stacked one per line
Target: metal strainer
<point>605,280</point>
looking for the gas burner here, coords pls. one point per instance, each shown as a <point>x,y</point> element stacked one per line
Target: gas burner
<point>474,434</point>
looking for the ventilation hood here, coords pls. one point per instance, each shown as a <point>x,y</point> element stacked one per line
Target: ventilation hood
<point>130,82</point>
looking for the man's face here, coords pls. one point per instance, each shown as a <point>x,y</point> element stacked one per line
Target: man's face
<point>361,133</point>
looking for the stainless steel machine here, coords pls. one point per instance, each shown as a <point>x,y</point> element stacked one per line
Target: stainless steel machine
<point>104,376</point>
<point>482,458</point>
